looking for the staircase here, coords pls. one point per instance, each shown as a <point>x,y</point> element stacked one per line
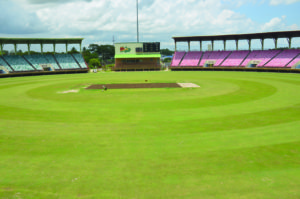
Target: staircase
<point>29,63</point>
<point>76,60</point>
<point>182,59</point>
<point>272,58</point>
<point>57,62</point>
<point>245,58</point>
<point>292,60</point>
<point>1,57</point>
<point>225,58</point>
<point>200,58</point>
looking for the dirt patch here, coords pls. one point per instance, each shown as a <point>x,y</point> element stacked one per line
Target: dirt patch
<point>142,85</point>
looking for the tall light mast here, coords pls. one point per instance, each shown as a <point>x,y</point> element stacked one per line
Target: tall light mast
<point>137,19</point>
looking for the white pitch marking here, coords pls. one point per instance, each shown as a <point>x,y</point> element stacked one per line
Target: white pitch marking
<point>69,91</point>
<point>188,85</point>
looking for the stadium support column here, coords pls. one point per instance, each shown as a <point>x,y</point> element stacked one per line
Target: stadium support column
<point>175,45</point>
<point>237,44</point>
<point>249,42</point>
<point>289,39</point>
<point>212,44</point>
<point>28,47</point>
<point>224,43</point>
<point>67,47</point>
<point>262,40</point>
<point>42,48</point>
<point>80,47</point>
<point>54,47</point>
<point>275,42</point>
<point>15,45</point>
<point>189,46</point>
<point>1,47</point>
<point>200,45</point>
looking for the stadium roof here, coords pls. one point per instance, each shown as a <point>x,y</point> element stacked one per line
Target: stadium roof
<point>248,36</point>
<point>40,40</point>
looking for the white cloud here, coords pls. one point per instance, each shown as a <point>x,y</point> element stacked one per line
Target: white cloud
<point>277,23</point>
<point>278,2</point>
<point>99,20</point>
<point>159,20</point>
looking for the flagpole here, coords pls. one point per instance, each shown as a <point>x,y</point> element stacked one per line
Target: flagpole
<point>137,19</point>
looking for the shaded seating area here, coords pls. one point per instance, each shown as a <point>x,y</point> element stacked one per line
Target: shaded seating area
<point>191,58</point>
<point>283,58</point>
<point>177,58</point>
<point>268,57</point>
<point>18,63</point>
<point>244,58</point>
<point>205,57</point>
<point>295,62</point>
<point>66,61</point>
<point>218,56</point>
<point>36,60</point>
<point>4,64</point>
<point>235,58</point>
<point>80,60</point>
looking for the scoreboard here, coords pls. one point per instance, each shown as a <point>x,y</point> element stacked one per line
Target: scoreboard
<point>151,47</point>
<point>132,48</point>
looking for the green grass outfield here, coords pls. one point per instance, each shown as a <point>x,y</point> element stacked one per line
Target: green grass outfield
<point>237,136</point>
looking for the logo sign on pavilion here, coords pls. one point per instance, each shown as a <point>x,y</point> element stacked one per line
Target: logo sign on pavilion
<point>128,48</point>
<point>125,49</point>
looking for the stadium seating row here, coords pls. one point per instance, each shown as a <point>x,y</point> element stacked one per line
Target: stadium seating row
<point>264,58</point>
<point>17,63</point>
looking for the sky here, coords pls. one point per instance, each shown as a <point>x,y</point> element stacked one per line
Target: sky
<point>99,21</point>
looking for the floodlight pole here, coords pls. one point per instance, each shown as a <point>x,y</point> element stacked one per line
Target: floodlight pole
<point>137,19</point>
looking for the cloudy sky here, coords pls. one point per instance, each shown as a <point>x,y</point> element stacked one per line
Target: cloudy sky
<point>98,21</point>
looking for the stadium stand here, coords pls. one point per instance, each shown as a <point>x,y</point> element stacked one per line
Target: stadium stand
<point>263,58</point>
<point>18,63</point>
<point>278,59</point>
<point>191,59</point>
<point>13,64</point>
<point>205,57</point>
<point>66,61</point>
<point>295,61</point>
<point>80,60</point>
<point>36,60</point>
<point>51,60</point>
<point>219,56</point>
<point>5,65</point>
<point>235,58</point>
<point>177,58</point>
<point>283,58</point>
<point>266,56</point>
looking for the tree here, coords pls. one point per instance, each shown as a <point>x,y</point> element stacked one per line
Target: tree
<point>168,59</point>
<point>107,51</point>
<point>73,50</point>
<point>166,52</point>
<point>93,48</point>
<point>95,63</point>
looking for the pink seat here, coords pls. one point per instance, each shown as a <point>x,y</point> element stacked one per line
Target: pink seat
<point>191,59</point>
<point>177,58</point>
